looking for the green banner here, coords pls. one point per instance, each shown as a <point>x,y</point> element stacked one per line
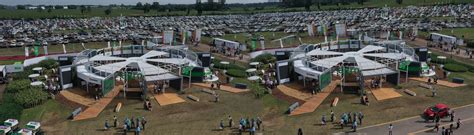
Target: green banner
<point>36,50</point>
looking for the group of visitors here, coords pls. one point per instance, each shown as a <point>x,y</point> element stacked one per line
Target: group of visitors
<point>224,50</point>
<point>353,119</point>
<point>159,87</point>
<point>137,124</point>
<point>375,83</point>
<point>245,124</point>
<point>364,100</point>
<point>147,105</point>
<point>448,130</point>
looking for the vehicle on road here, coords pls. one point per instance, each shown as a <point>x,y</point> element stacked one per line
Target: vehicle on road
<point>442,110</point>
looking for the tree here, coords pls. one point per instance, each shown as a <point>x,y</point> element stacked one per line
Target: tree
<point>21,7</point>
<point>188,10</point>
<point>308,4</point>
<point>155,6</point>
<point>399,1</point>
<point>108,11</point>
<point>58,7</point>
<point>71,7</point>
<point>139,5</point>
<point>89,9</point>
<point>146,8</point>
<point>199,7</point>
<point>83,9</point>
<point>49,10</point>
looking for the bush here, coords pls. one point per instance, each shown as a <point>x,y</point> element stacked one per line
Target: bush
<point>264,58</point>
<point>30,98</point>
<point>470,43</point>
<point>48,64</point>
<point>10,111</point>
<point>455,68</point>
<point>217,64</point>
<point>236,73</point>
<point>17,86</point>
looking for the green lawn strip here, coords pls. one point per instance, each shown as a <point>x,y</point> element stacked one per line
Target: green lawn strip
<point>44,112</point>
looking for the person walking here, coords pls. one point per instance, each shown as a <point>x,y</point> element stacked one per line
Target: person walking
<point>349,117</point>
<point>354,126</point>
<point>451,128</point>
<point>132,124</point>
<point>458,123</point>
<point>446,131</point>
<point>115,121</point>
<point>390,129</point>
<point>332,116</point>
<point>442,131</point>
<point>300,131</point>
<point>138,130</point>
<point>259,123</point>
<point>137,122</point>
<point>433,91</point>
<point>436,127</point>
<point>143,123</point>
<point>230,121</point>
<point>354,117</point>
<point>342,123</point>
<point>323,120</point>
<point>361,116</point>
<point>221,125</point>
<point>125,128</point>
<point>106,125</point>
<point>451,116</point>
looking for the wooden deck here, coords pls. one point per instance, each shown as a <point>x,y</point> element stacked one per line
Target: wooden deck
<point>440,82</point>
<point>73,96</point>
<point>385,93</point>
<point>223,87</point>
<point>314,102</point>
<point>95,109</point>
<point>294,91</point>
<point>168,99</point>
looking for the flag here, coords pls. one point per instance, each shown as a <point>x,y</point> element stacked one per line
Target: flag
<point>36,50</point>
<point>45,50</point>
<point>27,53</point>
<point>64,49</point>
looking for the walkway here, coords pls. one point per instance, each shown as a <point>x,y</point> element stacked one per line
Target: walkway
<point>294,90</point>
<point>314,102</point>
<point>95,109</point>
<point>168,99</point>
<point>440,82</point>
<point>223,87</point>
<point>385,93</point>
<point>417,125</point>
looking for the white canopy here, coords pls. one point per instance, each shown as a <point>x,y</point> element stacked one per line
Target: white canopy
<point>364,64</point>
<point>175,61</point>
<point>329,62</point>
<point>370,48</point>
<point>106,58</point>
<point>394,56</point>
<point>167,76</point>
<point>382,71</point>
<point>154,53</point>
<point>317,52</point>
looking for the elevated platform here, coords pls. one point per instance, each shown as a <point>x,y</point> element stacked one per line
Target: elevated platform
<point>95,109</point>
<point>440,82</point>
<point>168,99</point>
<point>314,102</point>
<point>223,87</point>
<point>294,90</point>
<point>78,96</point>
<point>385,93</point>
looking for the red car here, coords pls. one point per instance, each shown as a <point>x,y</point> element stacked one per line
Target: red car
<point>441,109</point>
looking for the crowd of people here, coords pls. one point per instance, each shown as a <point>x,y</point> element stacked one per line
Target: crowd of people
<point>245,125</point>
<point>132,124</point>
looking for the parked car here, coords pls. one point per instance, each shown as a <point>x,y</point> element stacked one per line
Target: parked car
<point>441,110</point>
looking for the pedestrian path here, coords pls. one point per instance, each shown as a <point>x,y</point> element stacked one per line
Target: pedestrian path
<point>385,93</point>
<point>440,82</point>
<point>223,87</point>
<point>71,95</point>
<point>314,102</point>
<point>94,110</point>
<point>168,99</point>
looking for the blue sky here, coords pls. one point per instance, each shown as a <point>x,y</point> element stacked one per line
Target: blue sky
<point>107,2</point>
